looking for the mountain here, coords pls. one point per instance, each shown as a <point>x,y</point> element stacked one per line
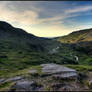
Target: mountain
<point>23,39</point>
<point>81,39</point>
<point>22,53</point>
<point>78,36</point>
<point>18,49</point>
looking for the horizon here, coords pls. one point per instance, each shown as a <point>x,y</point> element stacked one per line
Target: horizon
<point>47,18</point>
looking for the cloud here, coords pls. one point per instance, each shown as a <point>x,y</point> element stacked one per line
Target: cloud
<point>42,18</point>
<point>28,12</point>
<point>25,17</point>
<point>79,9</point>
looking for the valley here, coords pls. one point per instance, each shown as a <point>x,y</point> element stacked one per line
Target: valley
<point>21,52</point>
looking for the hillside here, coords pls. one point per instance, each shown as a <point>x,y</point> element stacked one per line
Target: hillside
<point>19,49</point>
<point>22,39</point>
<point>78,36</point>
<point>22,53</point>
<point>81,39</point>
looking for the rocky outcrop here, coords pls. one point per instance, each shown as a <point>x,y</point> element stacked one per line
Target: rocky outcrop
<point>35,82</point>
<point>26,85</point>
<point>58,71</point>
<point>14,78</point>
<point>61,86</point>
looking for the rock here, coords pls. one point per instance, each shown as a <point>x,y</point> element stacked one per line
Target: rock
<point>33,72</point>
<point>82,76</point>
<point>56,86</point>
<point>62,87</point>
<point>14,79</point>
<point>65,76</point>
<point>2,81</point>
<point>66,88</point>
<point>58,71</point>
<point>90,84</point>
<point>26,85</point>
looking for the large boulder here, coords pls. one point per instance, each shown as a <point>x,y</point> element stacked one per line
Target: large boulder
<point>26,85</point>
<point>58,71</point>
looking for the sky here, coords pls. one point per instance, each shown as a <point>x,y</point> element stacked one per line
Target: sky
<point>47,18</point>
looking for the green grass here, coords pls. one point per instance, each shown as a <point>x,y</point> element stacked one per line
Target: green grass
<point>12,73</point>
<point>80,68</point>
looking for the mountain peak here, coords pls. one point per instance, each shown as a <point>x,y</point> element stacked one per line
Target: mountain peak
<point>5,24</point>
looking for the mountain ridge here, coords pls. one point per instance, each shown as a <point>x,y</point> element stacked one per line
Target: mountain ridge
<point>7,31</point>
<point>77,36</point>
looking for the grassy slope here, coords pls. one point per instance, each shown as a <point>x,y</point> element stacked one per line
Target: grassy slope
<point>81,43</point>
<point>18,49</point>
<point>78,36</point>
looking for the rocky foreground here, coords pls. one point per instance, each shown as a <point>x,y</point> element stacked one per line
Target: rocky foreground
<point>49,77</point>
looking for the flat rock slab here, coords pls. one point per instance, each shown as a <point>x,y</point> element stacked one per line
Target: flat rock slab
<point>14,78</point>
<point>58,70</point>
<point>65,76</point>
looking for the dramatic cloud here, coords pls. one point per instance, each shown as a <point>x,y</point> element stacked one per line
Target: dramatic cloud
<point>23,17</point>
<point>45,18</point>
